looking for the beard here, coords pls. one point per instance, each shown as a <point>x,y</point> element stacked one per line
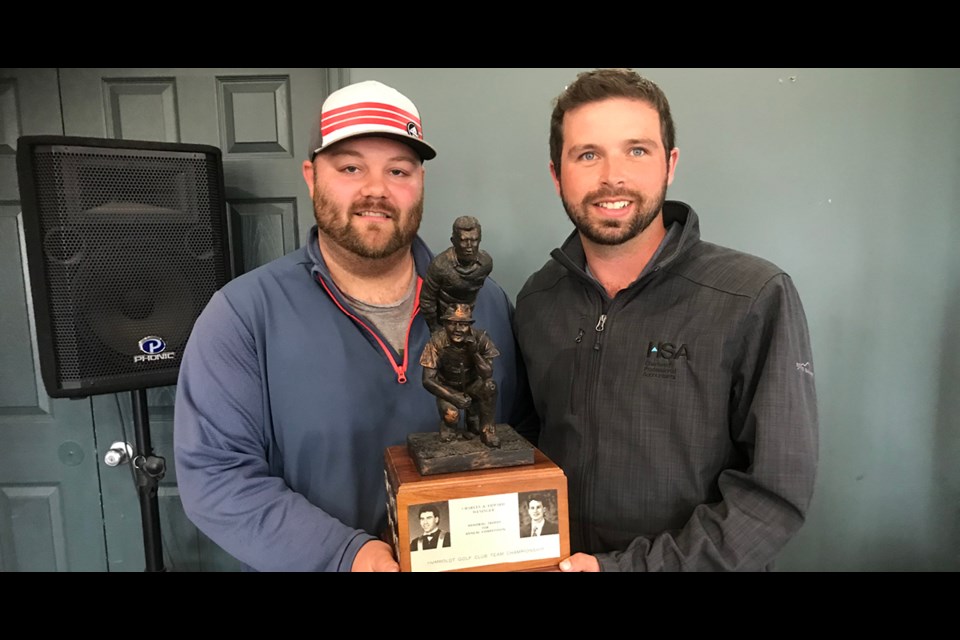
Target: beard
<point>344,227</point>
<point>615,231</point>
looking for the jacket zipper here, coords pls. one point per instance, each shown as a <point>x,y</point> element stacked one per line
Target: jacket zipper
<point>399,369</point>
<point>600,324</point>
<point>589,411</point>
<point>576,400</point>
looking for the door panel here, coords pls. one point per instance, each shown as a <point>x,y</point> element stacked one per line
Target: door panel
<point>49,494</point>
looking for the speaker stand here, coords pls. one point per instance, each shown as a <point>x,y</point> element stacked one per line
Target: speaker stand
<point>149,470</point>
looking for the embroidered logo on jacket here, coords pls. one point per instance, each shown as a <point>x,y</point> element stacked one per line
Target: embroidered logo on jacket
<point>661,359</point>
<point>805,367</point>
<point>667,350</point>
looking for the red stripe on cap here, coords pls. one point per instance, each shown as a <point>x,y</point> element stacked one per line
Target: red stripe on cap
<point>383,106</point>
<point>361,113</point>
<point>393,124</point>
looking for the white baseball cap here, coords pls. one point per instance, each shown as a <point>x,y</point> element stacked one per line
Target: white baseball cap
<point>369,108</point>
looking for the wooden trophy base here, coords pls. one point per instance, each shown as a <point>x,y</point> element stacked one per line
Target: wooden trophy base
<point>484,521</point>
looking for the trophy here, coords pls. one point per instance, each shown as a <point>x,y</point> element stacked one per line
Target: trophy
<point>472,495</point>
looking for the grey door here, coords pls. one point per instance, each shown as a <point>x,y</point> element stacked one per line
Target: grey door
<point>50,516</point>
<point>51,451</point>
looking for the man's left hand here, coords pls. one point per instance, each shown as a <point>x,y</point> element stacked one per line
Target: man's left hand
<point>375,555</point>
<point>580,563</point>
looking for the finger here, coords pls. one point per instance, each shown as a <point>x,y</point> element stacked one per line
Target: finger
<point>388,567</point>
<point>580,562</point>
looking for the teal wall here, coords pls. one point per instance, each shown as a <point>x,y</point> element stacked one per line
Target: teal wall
<point>848,179</point>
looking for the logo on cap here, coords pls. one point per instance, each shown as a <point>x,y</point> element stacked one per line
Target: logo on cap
<point>413,130</point>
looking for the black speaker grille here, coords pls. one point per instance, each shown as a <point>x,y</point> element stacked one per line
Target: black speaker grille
<point>133,245</point>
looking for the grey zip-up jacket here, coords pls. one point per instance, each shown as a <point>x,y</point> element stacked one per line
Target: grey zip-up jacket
<point>683,411</point>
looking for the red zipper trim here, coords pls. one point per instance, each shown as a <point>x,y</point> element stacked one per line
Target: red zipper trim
<point>401,369</point>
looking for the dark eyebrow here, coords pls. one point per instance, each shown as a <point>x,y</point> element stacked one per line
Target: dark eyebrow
<point>650,142</point>
<point>577,149</point>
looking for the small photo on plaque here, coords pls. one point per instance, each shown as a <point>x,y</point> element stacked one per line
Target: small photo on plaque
<point>429,526</point>
<point>538,513</point>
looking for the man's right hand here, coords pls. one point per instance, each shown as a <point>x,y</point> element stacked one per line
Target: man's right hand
<point>375,555</point>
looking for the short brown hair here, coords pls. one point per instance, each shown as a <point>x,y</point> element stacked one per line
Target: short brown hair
<point>602,84</point>
<point>466,223</point>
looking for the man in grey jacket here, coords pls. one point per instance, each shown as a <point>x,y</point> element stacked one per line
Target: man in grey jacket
<point>673,377</point>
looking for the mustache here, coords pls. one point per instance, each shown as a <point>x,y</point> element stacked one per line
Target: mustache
<point>609,192</point>
<point>375,204</point>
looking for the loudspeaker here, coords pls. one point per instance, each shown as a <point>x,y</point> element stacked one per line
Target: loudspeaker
<point>126,242</point>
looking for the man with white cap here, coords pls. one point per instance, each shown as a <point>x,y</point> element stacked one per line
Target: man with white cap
<point>298,374</point>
